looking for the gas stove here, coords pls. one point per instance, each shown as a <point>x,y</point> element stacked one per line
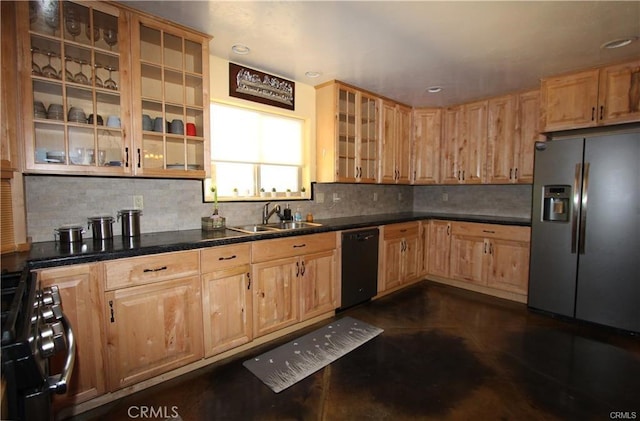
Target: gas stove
<point>34,329</point>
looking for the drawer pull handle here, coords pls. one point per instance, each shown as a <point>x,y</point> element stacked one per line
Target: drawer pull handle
<point>227,258</point>
<point>489,231</point>
<point>295,246</point>
<point>156,269</point>
<point>113,319</point>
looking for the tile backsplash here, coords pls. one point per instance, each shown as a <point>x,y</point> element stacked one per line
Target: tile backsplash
<point>169,205</point>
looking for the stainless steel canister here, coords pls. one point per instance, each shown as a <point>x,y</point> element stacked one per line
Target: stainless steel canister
<point>130,222</point>
<point>68,234</point>
<point>101,227</point>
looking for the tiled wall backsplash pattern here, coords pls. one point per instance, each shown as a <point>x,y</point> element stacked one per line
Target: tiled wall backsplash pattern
<point>169,205</point>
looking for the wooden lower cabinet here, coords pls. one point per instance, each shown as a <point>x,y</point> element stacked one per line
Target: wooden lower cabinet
<point>439,247</point>
<point>294,279</point>
<point>152,329</point>
<point>80,289</point>
<point>401,248</point>
<point>318,284</point>
<point>275,303</point>
<point>226,298</point>
<point>508,263</point>
<point>466,260</point>
<point>495,256</point>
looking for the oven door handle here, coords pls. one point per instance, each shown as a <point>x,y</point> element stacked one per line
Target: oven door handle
<point>58,384</point>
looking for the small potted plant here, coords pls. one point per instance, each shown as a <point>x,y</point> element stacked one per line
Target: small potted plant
<point>287,193</point>
<point>273,192</point>
<point>262,192</point>
<point>303,192</point>
<point>235,192</point>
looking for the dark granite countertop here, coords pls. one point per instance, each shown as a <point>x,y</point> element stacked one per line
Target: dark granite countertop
<point>51,253</point>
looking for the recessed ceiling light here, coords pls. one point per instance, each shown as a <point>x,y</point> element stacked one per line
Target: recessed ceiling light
<point>434,89</point>
<point>618,43</point>
<point>240,49</point>
<point>312,74</point>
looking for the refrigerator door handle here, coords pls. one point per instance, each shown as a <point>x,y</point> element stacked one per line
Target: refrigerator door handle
<point>583,212</point>
<point>576,206</point>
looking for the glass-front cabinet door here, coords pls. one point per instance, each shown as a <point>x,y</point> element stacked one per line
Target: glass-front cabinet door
<point>75,66</point>
<point>346,136</point>
<point>368,153</point>
<point>171,109</point>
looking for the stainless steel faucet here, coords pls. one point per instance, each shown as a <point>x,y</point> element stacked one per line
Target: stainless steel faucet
<point>266,213</point>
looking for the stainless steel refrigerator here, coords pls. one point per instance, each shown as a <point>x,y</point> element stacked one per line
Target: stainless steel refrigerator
<point>585,229</point>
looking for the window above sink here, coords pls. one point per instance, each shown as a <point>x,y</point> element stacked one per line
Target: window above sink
<point>255,155</point>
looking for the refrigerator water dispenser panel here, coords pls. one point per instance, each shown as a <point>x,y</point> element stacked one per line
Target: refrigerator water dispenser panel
<point>556,203</point>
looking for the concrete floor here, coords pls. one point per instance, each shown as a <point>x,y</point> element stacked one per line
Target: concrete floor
<point>445,354</point>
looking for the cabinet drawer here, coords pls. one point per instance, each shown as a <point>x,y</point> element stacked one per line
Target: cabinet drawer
<point>218,258</point>
<point>294,246</point>
<point>401,230</point>
<point>147,269</point>
<point>509,232</point>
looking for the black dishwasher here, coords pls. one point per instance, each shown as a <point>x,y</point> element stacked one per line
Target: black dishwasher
<point>359,266</point>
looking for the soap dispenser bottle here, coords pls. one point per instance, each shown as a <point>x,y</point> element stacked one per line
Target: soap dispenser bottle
<point>298,215</point>
<point>287,214</point>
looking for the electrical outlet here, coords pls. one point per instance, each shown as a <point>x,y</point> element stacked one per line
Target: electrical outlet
<point>138,202</point>
<point>319,197</point>
<point>445,197</point>
<point>336,197</point>
<point>399,197</point>
<point>375,197</point>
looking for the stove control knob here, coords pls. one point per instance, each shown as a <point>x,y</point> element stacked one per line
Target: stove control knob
<point>51,295</point>
<point>51,313</point>
<point>52,339</point>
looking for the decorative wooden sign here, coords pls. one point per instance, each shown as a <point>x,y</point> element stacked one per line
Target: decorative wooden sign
<point>264,88</point>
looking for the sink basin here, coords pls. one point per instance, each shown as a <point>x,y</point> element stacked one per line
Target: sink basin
<point>276,226</point>
<point>291,225</point>
<point>251,229</point>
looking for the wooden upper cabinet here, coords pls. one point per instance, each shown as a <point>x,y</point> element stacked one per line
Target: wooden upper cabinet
<point>619,93</point>
<point>464,143</point>
<point>527,133</point>
<point>501,140</point>
<point>86,85</point>
<point>427,125</point>
<point>451,137</point>
<point>609,95</point>
<point>70,73</point>
<point>347,135</point>
<point>512,133</point>
<point>474,143</point>
<point>396,143</point>
<point>170,74</point>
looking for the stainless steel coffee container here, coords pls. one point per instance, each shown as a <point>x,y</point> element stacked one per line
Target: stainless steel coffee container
<point>130,222</point>
<point>101,227</point>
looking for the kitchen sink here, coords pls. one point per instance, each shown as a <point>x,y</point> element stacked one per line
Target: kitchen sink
<point>291,225</point>
<point>251,229</point>
<point>276,226</point>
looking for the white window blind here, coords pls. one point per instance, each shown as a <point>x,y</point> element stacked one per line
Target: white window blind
<point>251,150</point>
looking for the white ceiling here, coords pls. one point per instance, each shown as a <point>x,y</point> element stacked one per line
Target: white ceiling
<point>399,48</point>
